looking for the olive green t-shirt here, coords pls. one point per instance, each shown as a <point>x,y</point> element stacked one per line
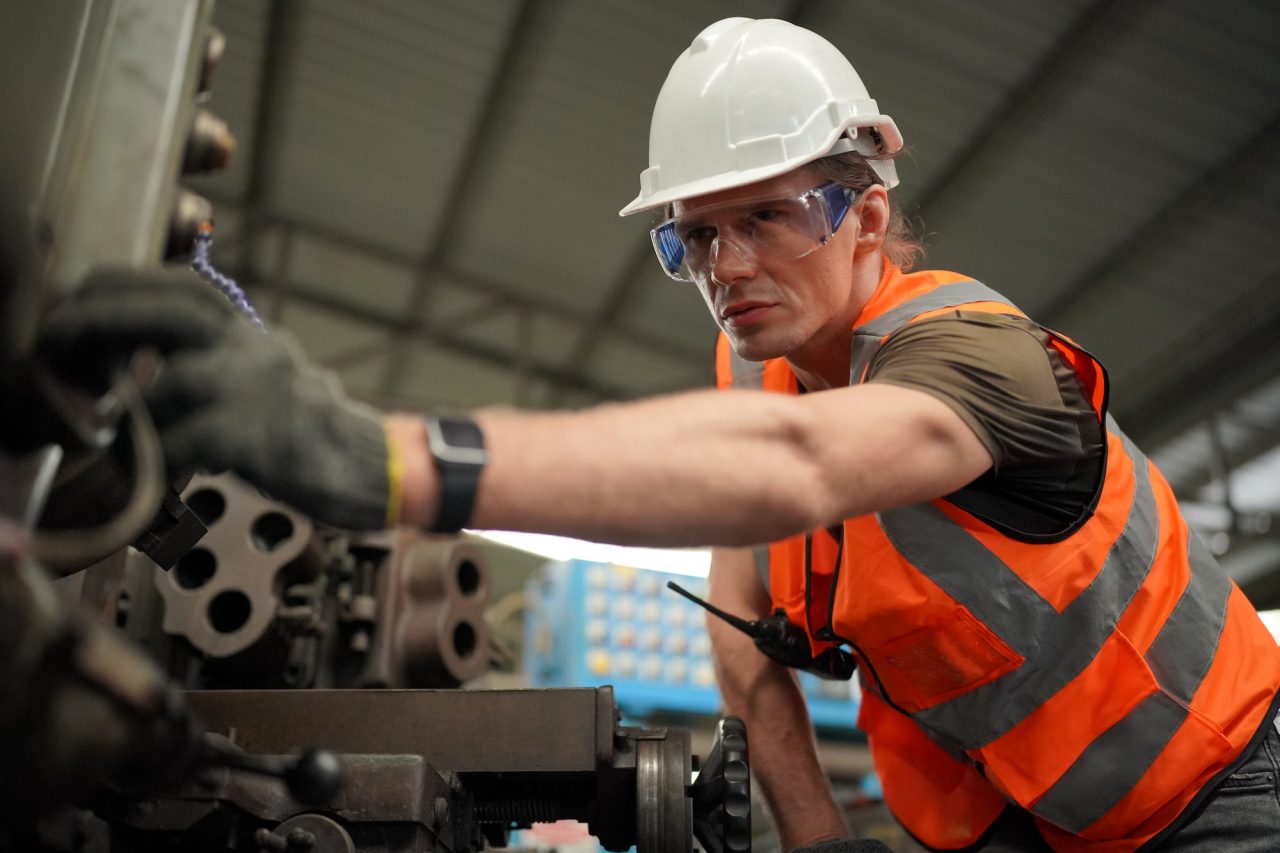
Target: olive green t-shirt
<point>1025,404</point>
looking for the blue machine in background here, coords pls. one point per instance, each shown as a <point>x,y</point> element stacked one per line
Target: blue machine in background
<point>597,623</point>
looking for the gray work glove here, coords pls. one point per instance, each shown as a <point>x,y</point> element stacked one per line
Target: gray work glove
<point>229,396</point>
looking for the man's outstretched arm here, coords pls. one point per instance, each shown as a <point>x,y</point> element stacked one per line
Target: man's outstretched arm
<point>707,467</point>
<point>718,468</point>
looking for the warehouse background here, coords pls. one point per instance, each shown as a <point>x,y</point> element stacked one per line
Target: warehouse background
<point>426,195</point>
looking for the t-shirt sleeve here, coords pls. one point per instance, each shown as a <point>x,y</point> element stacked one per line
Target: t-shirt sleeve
<point>1020,398</point>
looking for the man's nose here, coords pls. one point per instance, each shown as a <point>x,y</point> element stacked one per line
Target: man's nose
<point>730,263</point>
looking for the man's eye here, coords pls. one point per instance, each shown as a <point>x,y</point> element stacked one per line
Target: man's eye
<point>768,214</point>
<point>700,234</point>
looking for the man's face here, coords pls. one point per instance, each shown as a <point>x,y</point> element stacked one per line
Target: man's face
<point>768,306</point>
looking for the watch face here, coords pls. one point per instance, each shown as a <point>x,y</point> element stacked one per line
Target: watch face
<point>456,441</point>
<point>458,432</point>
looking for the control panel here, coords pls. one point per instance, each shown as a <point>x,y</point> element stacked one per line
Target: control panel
<point>599,623</point>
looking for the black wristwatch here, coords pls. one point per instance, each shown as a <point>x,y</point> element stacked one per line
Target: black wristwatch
<point>457,445</point>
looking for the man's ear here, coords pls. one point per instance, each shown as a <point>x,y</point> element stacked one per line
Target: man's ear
<point>872,211</point>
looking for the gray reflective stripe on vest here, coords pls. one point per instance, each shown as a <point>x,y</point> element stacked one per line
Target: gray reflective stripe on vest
<point>1180,656</point>
<point>866,338</point>
<point>1056,646</point>
<point>1112,764</point>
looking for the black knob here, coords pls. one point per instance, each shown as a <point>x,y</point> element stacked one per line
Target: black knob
<point>315,778</point>
<point>722,792</point>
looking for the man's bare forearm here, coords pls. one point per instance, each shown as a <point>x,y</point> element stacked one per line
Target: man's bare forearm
<point>700,468</point>
<point>767,697</point>
<point>783,752</point>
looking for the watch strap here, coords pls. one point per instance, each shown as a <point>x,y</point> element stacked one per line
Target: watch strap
<point>459,478</point>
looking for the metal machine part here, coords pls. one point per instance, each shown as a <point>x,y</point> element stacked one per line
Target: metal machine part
<point>389,803</point>
<point>210,144</point>
<point>221,596</point>
<point>266,599</point>
<point>418,775</point>
<point>541,755</point>
<point>77,703</point>
<point>313,778</point>
<point>722,795</point>
<point>664,814</point>
<point>173,533</point>
<point>88,173</point>
<point>438,590</point>
<point>94,142</point>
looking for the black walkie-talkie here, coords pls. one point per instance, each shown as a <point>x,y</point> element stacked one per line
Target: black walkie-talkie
<point>782,641</point>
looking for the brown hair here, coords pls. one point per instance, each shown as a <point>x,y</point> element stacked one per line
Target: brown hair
<point>852,170</point>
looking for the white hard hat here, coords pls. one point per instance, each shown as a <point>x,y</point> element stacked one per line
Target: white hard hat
<point>750,100</point>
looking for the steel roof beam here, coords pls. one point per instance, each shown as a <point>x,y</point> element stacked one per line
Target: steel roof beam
<point>1257,439</point>
<point>606,314</point>
<point>1098,21</point>
<point>476,153</point>
<point>1237,343</point>
<point>1239,354</point>
<point>442,338</point>
<point>470,282</point>
<point>279,48</point>
<point>1233,168</point>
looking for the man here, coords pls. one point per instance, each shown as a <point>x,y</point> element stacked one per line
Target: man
<point>1048,657</point>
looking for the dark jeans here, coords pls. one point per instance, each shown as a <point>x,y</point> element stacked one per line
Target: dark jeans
<point>1242,815</point>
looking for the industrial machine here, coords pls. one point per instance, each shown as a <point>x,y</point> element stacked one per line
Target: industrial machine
<point>193,666</point>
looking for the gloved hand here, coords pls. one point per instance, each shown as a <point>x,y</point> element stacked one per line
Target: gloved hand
<point>230,396</point>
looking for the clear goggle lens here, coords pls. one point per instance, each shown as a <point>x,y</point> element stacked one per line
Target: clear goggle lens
<point>775,228</point>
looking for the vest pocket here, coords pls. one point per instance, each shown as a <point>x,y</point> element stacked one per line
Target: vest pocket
<point>939,661</point>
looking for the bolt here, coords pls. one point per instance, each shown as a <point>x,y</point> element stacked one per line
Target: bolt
<point>440,813</point>
<point>299,839</point>
<point>269,842</point>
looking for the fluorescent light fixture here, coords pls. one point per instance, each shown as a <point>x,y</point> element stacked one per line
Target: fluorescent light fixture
<point>692,562</point>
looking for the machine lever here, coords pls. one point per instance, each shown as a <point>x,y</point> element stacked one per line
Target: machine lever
<point>313,778</point>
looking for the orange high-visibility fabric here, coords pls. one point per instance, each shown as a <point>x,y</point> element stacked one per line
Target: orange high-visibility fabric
<point>919,767</point>
<point>927,648</point>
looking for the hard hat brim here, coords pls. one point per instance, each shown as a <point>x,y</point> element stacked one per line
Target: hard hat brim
<point>890,134</point>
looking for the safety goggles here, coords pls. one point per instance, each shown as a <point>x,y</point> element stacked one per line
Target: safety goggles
<point>782,228</point>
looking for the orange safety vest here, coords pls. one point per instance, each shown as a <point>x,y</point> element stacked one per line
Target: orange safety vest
<point>1099,680</point>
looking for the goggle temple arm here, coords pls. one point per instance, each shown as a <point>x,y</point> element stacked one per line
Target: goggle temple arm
<point>839,199</point>
<point>668,247</point>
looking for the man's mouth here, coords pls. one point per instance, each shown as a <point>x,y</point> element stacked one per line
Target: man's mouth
<point>744,313</point>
